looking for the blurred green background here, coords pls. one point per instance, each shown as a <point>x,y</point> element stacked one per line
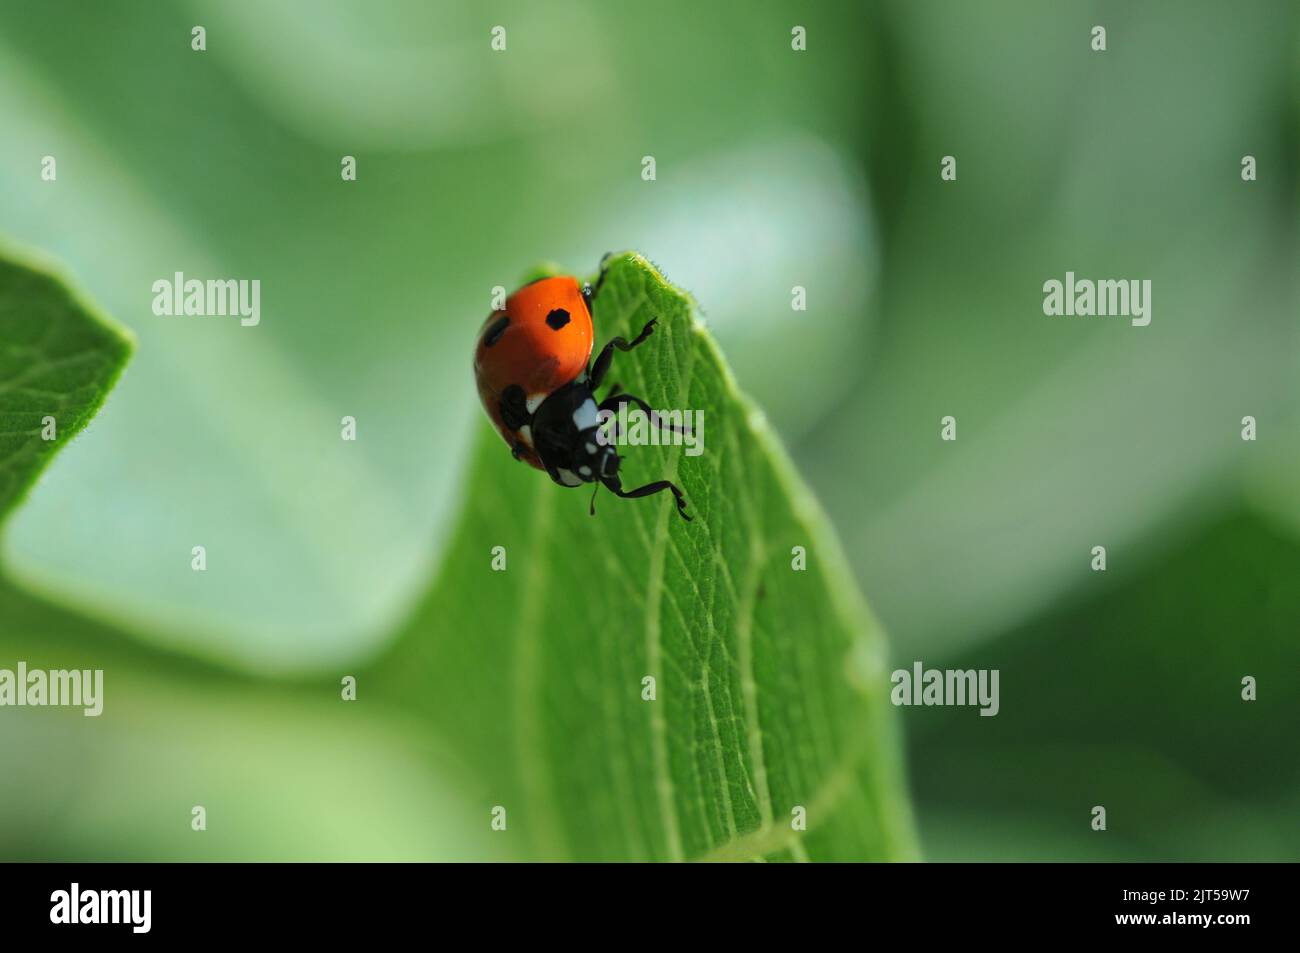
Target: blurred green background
<point>775,169</point>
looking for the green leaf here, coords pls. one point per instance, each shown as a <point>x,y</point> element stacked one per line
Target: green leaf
<point>1096,710</point>
<point>962,332</point>
<point>770,682</point>
<point>284,771</point>
<point>58,360</point>
<point>352,531</point>
<point>171,728</point>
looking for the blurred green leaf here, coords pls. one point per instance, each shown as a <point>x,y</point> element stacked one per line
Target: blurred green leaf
<point>769,681</point>
<point>285,771</point>
<point>58,360</point>
<point>1071,432</point>
<point>226,163</point>
<point>1131,698</point>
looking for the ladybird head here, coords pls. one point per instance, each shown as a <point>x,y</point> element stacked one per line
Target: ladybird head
<point>594,458</point>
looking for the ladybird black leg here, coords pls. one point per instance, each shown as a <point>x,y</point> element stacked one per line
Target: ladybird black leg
<point>517,451</point>
<point>604,270</point>
<point>601,367</point>
<point>614,401</point>
<point>588,292</point>
<point>650,489</point>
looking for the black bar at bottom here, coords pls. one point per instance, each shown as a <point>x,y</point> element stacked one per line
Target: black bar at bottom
<point>336,901</point>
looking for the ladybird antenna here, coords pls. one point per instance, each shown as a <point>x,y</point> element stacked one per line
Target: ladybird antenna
<point>593,499</point>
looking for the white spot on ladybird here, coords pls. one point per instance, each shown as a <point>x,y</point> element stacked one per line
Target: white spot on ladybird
<point>587,415</point>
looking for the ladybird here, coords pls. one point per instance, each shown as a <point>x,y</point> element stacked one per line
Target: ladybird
<point>533,369</point>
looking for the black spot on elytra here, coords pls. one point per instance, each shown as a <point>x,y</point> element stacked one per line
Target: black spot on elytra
<point>557,319</point>
<point>495,330</point>
<point>514,408</point>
